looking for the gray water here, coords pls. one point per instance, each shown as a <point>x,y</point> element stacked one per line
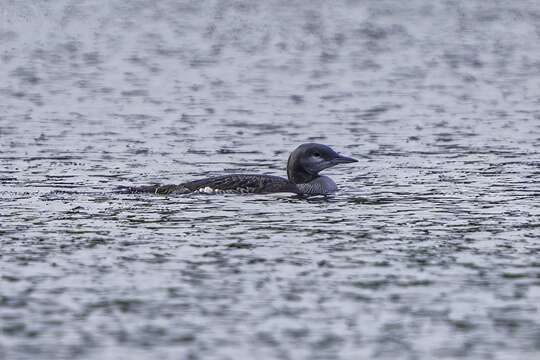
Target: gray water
<point>429,250</point>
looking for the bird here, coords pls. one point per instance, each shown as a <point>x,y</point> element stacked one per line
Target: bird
<point>303,178</point>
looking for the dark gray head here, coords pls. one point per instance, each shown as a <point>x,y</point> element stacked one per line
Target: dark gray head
<point>307,160</point>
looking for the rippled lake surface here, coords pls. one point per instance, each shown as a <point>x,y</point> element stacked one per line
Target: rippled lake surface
<point>429,251</point>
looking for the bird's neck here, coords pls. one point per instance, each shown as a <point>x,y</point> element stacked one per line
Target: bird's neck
<point>298,175</point>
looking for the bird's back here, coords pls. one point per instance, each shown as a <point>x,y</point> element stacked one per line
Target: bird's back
<point>233,183</point>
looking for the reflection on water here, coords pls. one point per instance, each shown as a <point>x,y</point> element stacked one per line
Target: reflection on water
<point>430,250</point>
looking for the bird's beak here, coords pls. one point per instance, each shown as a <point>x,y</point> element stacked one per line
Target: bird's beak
<point>343,160</point>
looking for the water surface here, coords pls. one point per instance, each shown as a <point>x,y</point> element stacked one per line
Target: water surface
<point>430,249</point>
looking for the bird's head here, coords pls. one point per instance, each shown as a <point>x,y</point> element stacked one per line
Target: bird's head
<point>307,160</point>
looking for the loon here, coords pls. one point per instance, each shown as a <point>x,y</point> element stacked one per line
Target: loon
<point>303,168</point>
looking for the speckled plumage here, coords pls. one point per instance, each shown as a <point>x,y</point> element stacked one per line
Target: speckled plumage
<point>234,183</point>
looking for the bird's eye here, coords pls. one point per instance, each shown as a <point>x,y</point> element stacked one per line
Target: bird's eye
<point>316,154</point>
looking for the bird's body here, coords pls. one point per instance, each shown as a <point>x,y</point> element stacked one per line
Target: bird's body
<point>303,169</point>
<point>232,183</point>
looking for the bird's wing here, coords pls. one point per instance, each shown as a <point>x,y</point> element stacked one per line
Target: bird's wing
<point>243,183</point>
<point>237,183</point>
